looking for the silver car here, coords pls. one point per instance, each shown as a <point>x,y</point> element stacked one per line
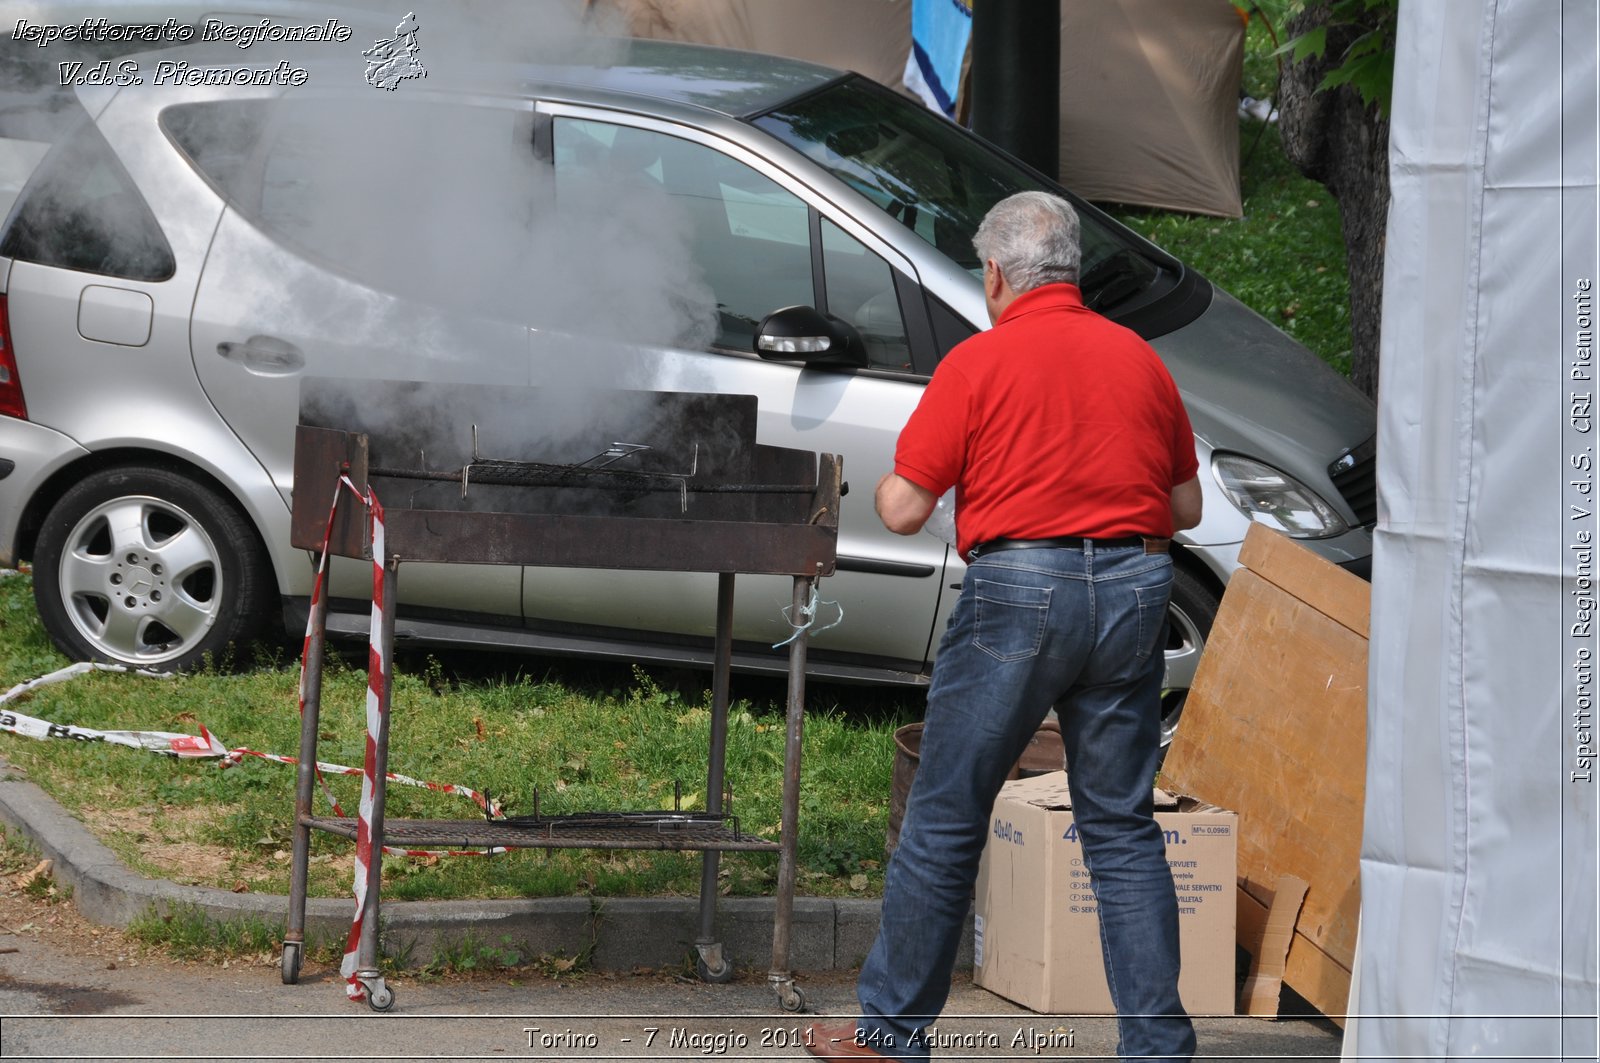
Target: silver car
<point>192,247</point>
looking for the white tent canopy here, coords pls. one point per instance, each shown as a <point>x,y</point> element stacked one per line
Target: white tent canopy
<point>1479,888</point>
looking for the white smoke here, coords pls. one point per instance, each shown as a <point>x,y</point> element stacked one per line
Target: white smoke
<point>400,233</point>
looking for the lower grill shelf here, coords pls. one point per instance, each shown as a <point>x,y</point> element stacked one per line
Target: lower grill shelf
<point>592,831</point>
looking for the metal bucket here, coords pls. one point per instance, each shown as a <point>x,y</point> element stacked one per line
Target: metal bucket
<point>1044,753</point>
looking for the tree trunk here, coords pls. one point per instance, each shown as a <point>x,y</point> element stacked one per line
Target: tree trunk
<point>1334,138</point>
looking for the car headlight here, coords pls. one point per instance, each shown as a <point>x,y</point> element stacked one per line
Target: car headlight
<point>1274,498</point>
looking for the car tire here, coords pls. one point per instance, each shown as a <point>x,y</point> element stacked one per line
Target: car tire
<point>1190,612</point>
<point>148,567</point>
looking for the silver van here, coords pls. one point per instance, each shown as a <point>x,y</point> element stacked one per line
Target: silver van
<point>190,248</point>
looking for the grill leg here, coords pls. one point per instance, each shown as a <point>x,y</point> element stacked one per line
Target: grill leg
<point>781,976</point>
<point>367,952</point>
<point>712,963</point>
<point>294,936</point>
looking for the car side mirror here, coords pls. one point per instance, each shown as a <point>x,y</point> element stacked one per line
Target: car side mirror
<point>805,334</point>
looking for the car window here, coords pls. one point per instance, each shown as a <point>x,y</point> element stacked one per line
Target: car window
<point>861,291</point>
<point>421,199</point>
<point>749,237</point>
<point>82,211</point>
<point>937,180</point>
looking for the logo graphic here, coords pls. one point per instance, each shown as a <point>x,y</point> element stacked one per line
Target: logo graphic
<point>394,60</point>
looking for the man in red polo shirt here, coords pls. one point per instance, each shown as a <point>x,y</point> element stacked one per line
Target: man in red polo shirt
<point>1073,463</point>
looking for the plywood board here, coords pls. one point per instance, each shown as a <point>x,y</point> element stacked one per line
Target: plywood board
<point>1278,559</point>
<point>1275,728</point>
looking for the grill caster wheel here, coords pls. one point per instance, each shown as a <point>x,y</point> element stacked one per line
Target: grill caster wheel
<point>791,999</point>
<point>718,972</point>
<point>289,965</point>
<point>380,997</point>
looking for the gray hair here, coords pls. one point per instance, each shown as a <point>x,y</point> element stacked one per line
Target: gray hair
<point>1033,236</point>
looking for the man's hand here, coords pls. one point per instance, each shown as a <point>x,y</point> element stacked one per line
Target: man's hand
<point>904,507</point>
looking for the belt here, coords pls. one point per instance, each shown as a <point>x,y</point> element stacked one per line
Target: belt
<point>1152,544</point>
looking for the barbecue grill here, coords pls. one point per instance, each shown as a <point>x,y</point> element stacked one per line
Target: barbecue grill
<point>647,480</point>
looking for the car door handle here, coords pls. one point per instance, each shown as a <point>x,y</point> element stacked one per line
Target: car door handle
<point>264,355</point>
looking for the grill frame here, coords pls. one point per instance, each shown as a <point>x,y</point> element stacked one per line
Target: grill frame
<point>766,532</point>
<point>756,509</point>
<point>551,834</point>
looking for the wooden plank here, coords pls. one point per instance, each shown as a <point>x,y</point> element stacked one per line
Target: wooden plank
<point>1342,596</point>
<point>1275,728</point>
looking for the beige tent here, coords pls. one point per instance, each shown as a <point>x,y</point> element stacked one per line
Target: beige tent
<point>1150,102</point>
<point>871,37</point>
<point>1149,88</point>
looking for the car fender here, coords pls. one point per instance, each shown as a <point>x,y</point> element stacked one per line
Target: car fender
<point>214,450</point>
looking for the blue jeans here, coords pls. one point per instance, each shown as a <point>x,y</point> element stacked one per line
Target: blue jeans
<point>1082,629</point>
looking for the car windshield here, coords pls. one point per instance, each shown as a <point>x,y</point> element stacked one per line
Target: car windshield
<point>936,179</point>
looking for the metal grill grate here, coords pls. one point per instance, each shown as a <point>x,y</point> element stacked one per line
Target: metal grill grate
<point>583,831</point>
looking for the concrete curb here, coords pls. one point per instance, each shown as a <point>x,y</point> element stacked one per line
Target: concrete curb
<point>619,933</point>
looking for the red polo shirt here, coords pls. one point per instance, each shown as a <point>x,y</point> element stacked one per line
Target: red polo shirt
<point>1054,422</point>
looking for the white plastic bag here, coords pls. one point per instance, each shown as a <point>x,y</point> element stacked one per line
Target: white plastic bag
<point>941,522</point>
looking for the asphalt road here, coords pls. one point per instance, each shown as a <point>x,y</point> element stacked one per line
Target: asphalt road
<point>71,991</point>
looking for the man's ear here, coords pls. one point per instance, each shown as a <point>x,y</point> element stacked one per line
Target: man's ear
<point>993,279</point>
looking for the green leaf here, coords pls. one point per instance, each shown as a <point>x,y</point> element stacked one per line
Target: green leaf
<point>1370,43</point>
<point>1372,77</point>
<point>1311,44</point>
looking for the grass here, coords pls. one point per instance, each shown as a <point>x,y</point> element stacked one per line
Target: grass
<point>587,739</point>
<point>188,933</point>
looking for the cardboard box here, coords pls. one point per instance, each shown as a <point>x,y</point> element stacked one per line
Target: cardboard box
<point>1036,931</point>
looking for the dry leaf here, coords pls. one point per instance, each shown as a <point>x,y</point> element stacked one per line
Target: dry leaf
<point>858,882</point>
<point>241,886</point>
<point>40,870</point>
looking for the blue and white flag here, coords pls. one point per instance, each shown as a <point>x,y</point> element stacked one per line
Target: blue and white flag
<point>940,31</point>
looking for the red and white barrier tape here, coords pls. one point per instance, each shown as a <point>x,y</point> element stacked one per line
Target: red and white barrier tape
<point>177,745</point>
<point>488,805</point>
<point>206,745</point>
<point>377,705</point>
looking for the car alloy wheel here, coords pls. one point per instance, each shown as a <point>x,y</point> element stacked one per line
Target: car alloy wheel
<point>147,567</point>
<point>1190,612</point>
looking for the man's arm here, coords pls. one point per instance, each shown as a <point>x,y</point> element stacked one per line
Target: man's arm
<point>904,507</point>
<point>1186,503</point>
